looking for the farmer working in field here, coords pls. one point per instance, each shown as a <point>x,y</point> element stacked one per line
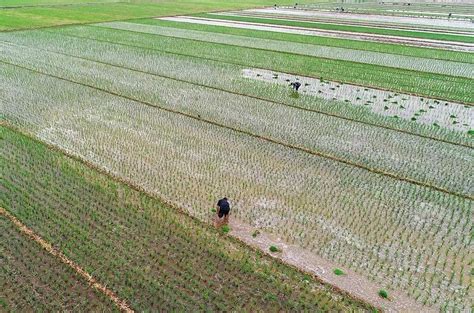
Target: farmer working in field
<point>223,210</point>
<point>296,85</point>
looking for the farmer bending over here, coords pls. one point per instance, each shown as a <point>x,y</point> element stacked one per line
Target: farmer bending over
<point>223,209</point>
<point>296,85</point>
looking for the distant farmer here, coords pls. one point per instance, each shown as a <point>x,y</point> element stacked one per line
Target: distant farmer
<point>295,85</point>
<point>449,16</point>
<point>223,210</point>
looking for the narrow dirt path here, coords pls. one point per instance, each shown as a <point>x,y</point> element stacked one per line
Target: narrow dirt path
<point>121,304</point>
<point>351,282</point>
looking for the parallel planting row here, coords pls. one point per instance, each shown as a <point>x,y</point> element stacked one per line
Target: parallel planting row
<point>146,252</point>
<point>32,280</point>
<point>417,238</point>
<point>171,107</point>
<point>384,150</point>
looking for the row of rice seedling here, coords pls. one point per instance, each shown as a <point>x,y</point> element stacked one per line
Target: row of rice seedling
<point>148,253</point>
<point>317,133</point>
<point>382,59</point>
<point>390,48</point>
<point>347,28</point>
<point>397,80</point>
<point>33,280</point>
<point>402,23</point>
<point>219,74</point>
<point>392,231</point>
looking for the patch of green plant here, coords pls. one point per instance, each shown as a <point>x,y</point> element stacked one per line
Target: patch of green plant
<point>274,249</point>
<point>255,233</point>
<point>338,272</point>
<point>225,229</point>
<point>383,293</point>
<point>294,95</point>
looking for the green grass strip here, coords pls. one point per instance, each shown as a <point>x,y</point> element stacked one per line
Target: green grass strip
<point>354,29</point>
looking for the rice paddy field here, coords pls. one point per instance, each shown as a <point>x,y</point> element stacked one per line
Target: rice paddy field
<point>123,123</point>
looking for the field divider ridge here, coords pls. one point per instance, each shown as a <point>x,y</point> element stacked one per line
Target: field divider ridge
<point>28,232</point>
<point>251,96</point>
<point>250,134</point>
<point>270,69</point>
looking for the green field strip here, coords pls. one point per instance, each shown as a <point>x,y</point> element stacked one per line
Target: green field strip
<point>153,149</point>
<point>57,5</point>
<point>332,108</point>
<point>397,80</point>
<point>23,3</point>
<point>148,251</point>
<point>41,17</point>
<point>31,279</point>
<point>455,69</point>
<point>295,146</point>
<point>429,53</point>
<point>354,29</point>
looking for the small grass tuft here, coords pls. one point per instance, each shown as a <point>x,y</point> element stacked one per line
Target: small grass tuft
<point>338,272</point>
<point>274,249</point>
<point>383,293</point>
<point>225,229</point>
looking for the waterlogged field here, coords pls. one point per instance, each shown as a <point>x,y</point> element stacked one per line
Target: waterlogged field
<point>369,165</point>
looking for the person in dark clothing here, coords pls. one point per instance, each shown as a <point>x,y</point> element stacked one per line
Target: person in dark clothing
<point>223,209</point>
<point>296,85</point>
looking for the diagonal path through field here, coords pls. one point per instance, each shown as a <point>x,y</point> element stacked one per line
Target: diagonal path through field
<point>120,303</point>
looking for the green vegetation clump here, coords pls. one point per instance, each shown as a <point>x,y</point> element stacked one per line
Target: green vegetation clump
<point>225,229</point>
<point>338,272</point>
<point>383,293</point>
<point>274,249</point>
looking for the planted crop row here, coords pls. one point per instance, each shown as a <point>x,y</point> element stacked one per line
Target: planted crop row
<point>383,59</point>
<point>447,168</point>
<point>219,75</point>
<point>389,230</point>
<point>151,255</point>
<point>447,55</point>
<point>33,280</point>
<point>428,84</point>
<point>329,26</point>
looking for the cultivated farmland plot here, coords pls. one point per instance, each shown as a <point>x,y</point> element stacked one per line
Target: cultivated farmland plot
<point>306,199</point>
<point>368,165</point>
